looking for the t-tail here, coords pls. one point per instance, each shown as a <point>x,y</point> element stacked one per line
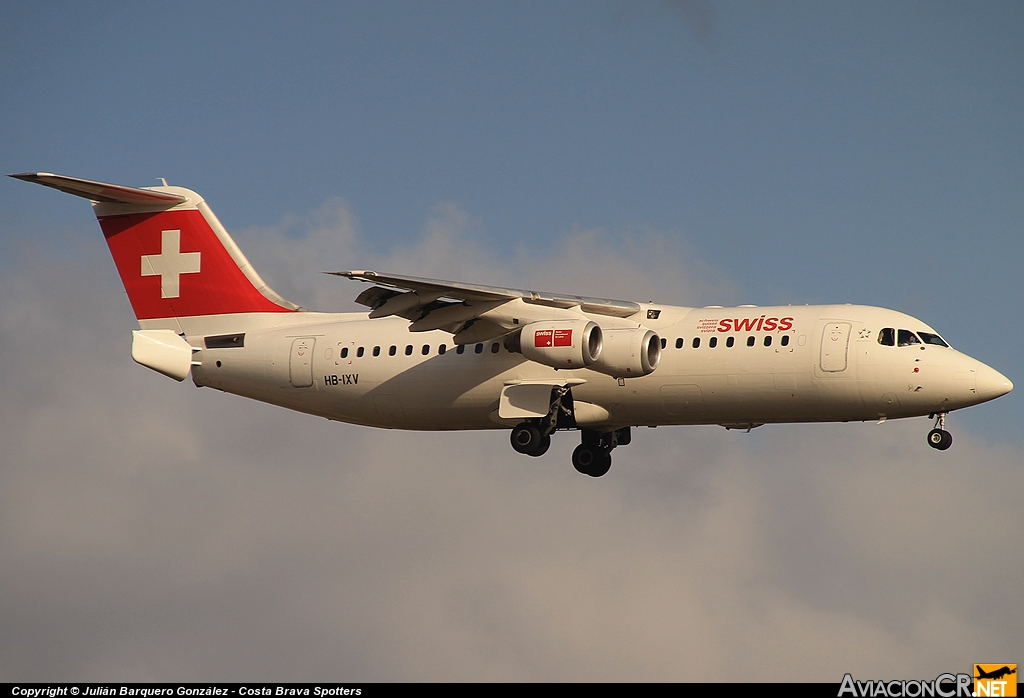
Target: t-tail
<point>183,273</point>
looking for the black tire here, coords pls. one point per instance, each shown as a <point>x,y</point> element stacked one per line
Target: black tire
<point>583,458</point>
<point>591,461</point>
<point>542,447</point>
<point>940,439</point>
<point>601,466</point>
<point>526,439</point>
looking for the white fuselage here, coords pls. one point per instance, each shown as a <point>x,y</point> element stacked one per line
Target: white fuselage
<point>824,363</point>
<point>442,355</point>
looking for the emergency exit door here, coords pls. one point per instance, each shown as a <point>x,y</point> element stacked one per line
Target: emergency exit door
<point>835,342</point>
<point>300,364</point>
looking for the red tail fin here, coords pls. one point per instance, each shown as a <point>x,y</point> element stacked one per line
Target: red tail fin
<point>174,257</point>
<point>173,265</point>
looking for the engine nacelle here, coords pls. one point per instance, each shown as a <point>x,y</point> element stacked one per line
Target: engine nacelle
<point>629,353</point>
<point>558,343</point>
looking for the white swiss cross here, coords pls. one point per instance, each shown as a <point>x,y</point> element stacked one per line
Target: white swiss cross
<point>170,264</point>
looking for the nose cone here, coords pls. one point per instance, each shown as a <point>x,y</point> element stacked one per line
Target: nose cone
<point>991,383</point>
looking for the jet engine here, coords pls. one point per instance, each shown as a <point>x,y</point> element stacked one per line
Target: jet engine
<point>558,343</point>
<point>629,353</point>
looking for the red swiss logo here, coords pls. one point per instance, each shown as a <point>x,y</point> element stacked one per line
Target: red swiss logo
<point>552,338</point>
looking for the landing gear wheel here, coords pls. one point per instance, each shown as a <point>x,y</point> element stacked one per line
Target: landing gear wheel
<point>601,466</point>
<point>591,461</point>
<point>542,447</point>
<point>526,439</point>
<point>940,439</point>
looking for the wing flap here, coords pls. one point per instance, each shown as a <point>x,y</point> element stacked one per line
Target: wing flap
<point>375,296</point>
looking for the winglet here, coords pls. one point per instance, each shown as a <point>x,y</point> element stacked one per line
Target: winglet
<point>100,191</point>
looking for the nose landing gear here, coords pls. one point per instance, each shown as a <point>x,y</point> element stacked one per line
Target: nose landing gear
<point>939,438</point>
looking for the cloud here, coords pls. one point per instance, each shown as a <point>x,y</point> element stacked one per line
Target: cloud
<point>153,531</point>
<point>637,263</point>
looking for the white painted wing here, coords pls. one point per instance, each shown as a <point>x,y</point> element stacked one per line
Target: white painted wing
<point>430,291</point>
<point>471,312</point>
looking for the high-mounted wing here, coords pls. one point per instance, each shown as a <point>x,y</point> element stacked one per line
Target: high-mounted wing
<point>432,304</point>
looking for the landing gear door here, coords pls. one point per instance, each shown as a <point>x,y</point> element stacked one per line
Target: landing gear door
<point>300,363</point>
<point>835,342</point>
<point>524,401</point>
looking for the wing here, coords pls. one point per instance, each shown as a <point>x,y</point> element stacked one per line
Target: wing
<point>473,312</point>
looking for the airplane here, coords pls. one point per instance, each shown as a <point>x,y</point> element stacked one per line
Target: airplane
<point>996,674</point>
<point>442,355</point>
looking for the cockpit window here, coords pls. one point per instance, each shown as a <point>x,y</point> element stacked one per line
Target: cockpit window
<point>929,338</point>
<point>905,338</point>
<point>887,337</point>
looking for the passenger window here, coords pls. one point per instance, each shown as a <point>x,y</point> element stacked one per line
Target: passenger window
<point>729,341</point>
<point>887,337</point>
<point>408,350</point>
<point>393,350</point>
<point>376,351</point>
<point>359,352</point>
<point>696,342</point>
<point>460,348</point>
<point>479,348</point>
<point>767,340</point>
<point>495,347</point>
<point>906,338</point>
<point>344,353</point>
<point>713,342</point>
<point>664,342</point>
<point>426,349</point>
<point>750,341</point>
<point>785,340</point>
<point>441,349</point>
<point>929,338</point>
<point>679,343</point>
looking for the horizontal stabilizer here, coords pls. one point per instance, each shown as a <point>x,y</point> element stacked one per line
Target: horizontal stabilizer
<point>100,191</point>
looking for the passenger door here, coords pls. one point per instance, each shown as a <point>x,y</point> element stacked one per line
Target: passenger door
<point>300,363</point>
<point>835,342</point>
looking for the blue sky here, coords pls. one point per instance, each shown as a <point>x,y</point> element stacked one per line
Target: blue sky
<point>712,152</point>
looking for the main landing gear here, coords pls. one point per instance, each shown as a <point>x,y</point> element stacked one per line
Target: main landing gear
<point>533,437</point>
<point>592,457</point>
<point>528,440</point>
<point>938,437</point>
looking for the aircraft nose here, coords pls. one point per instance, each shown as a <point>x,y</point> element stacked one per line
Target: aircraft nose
<point>991,383</point>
